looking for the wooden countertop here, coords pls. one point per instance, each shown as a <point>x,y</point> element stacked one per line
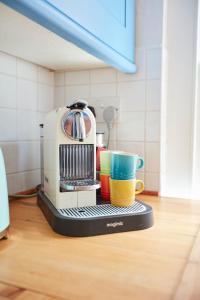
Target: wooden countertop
<point>162,262</point>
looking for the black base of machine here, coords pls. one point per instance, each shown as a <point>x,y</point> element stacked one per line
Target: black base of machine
<point>96,220</point>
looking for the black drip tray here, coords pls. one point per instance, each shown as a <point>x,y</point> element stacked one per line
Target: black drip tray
<point>96,220</point>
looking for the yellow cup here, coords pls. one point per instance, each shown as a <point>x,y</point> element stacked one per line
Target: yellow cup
<point>122,192</point>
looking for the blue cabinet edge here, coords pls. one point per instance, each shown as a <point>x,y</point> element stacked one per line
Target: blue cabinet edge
<point>53,20</point>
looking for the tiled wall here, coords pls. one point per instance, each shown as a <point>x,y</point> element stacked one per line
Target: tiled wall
<point>26,94</point>
<point>137,124</point>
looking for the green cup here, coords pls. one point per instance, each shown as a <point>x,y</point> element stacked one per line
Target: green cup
<point>105,160</point>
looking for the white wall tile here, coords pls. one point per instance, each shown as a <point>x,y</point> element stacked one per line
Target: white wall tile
<point>132,147</point>
<point>22,181</point>
<point>10,156</point>
<point>103,75</point>
<point>27,125</point>
<point>113,145</point>
<point>104,102</point>
<point>152,182</point>
<point>8,64</point>
<point>8,126</point>
<point>149,16</point>
<point>26,94</point>
<point>14,183</point>
<point>141,29</point>
<point>45,98</point>
<point>132,96</point>
<point>125,134</point>
<point>99,114</point>
<point>131,126</point>
<point>45,76</point>
<point>77,77</point>
<point>31,179</point>
<point>153,95</point>
<point>152,157</point>
<point>93,101</point>
<point>59,96</point>
<point>153,63</point>
<point>41,117</point>
<point>130,103</point>
<point>103,90</point>
<point>75,92</point>
<point>131,89</point>
<point>8,91</point>
<point>140,64</point>
<point>27,70</point>
<point>59,78</point>
<point>21,156</point>
<point>28,156</point>
<point>152,127</point>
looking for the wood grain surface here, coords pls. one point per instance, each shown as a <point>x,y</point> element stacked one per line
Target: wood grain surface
<point>162,262</point>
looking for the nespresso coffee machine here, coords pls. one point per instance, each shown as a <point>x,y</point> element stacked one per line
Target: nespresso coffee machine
<point>69,157</point>
<point>68,191</point>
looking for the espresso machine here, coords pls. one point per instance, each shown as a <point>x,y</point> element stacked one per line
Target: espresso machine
<point>69,157</point>
<point>68,191</point>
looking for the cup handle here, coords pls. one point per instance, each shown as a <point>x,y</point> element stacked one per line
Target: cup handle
<point>141,189</point>
<point>140,163</point>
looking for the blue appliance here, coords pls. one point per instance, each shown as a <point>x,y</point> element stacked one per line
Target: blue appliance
<point>4,206</point>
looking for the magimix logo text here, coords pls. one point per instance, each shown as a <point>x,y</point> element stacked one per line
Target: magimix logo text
<point>115,224</point>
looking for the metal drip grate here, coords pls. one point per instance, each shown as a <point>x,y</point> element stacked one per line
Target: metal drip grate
<point>101,211</point>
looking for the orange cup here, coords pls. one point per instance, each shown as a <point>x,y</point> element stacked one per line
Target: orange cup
<point>105,186</point>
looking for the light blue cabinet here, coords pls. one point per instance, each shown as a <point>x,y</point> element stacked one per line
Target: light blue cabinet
<point>104,28</point>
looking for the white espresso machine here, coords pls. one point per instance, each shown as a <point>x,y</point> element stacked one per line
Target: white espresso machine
<point>68,191</point>
<point>70,156</point>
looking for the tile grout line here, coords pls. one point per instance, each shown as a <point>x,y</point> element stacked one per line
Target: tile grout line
<point>22,172</point>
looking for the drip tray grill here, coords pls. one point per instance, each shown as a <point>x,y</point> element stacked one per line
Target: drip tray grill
<point>102,210</point>
<point>96,220</point>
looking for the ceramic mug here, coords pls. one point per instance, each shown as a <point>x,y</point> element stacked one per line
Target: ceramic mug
<point>105,157</point>
<point>105,186</point>
<point>98,151</point>
<point>122,192</point>
<point>124,165</point>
